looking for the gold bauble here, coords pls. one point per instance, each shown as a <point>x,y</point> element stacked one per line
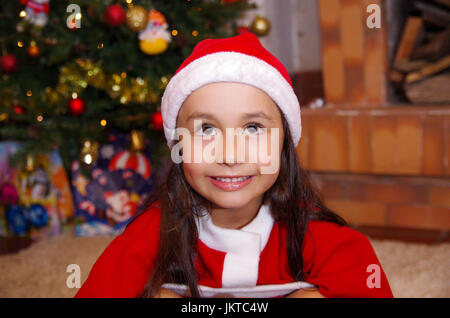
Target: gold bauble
<point>260,26</point>
<point>153,47</point>
<point>137,141</point>
<point>137,18</point>
<point>33,50</point>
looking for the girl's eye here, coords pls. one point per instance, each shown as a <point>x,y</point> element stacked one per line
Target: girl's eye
<point>253,128</point>
<point>206,130</point>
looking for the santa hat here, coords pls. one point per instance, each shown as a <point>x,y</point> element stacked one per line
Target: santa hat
<point>240,59</point>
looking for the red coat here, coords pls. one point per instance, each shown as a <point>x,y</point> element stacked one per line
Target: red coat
<point>337,259</point>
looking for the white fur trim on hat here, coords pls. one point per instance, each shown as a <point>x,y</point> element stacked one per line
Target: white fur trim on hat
<point>229,67</point>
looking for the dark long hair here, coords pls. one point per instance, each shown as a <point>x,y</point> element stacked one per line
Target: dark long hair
<point>293,200</point>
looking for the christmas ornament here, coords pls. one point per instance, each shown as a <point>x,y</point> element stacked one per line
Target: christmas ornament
<point>242,30</point>
<point>18,109</point>
<point>76,106</point>
<point>89,152</point>
<point>137,141</point>
<point>137,18</point>
<point>36,11</point>
<point>33,49</point>
<point>260,26</point>
<point>156,121</point>
<point>9,63</point>
<point>115,15</point>
<point>156,37</point>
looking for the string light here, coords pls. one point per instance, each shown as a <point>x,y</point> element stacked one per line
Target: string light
<point>195,33</point>
<point>29,93</point>
<point>23,14</point>
<point>39,118</point>
<point>78,16</point>
<point>174,32</point>
<point>20,44</point>
<point>87,159</point>
<point>103,122</point>
<point>100,46</point>
<point>74,95</point>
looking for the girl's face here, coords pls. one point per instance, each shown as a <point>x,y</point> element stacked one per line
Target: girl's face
<point>249,114</point>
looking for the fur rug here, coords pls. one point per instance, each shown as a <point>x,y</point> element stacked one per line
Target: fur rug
<point>413,270</point>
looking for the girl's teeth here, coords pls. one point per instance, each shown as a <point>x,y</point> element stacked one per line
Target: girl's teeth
<point>232,179</point>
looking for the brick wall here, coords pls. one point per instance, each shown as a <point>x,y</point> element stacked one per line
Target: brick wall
<point>391,201</point>
<point>396,140</point>
<point>386,166</point>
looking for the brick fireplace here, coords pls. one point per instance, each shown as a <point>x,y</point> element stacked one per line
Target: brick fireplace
<point>381,164</point>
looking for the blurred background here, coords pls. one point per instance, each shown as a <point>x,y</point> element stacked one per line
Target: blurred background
<point>81,141</point>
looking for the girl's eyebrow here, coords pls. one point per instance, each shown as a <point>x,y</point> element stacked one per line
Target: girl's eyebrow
<point>245,116</point>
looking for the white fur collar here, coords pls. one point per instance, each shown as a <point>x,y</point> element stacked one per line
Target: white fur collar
<point>242,247</point>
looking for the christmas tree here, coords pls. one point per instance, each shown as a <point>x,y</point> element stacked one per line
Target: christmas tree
<point>72,70</point>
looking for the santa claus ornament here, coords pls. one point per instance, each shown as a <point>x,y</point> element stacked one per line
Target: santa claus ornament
<point>37,11</point>
<point>155,38</point>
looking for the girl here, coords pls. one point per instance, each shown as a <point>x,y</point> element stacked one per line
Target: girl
<point>235,226</point>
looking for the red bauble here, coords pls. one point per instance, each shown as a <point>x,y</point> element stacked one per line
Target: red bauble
<point>9,63</point>
<point>76,106</point>
<point>242,30</point>
<point>115,15</point>
<point>156,121</point>
<point>18,109</point>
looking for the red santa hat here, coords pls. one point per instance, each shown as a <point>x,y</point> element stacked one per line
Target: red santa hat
<point>240,59</point>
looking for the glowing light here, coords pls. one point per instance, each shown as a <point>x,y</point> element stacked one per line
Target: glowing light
<point>20,44</point>
<point>29,93</point>
<point>195,33</point>
<point>39,118</point>
<point>74,95</point>
<point>174,32</point>
<point>103,122</point>
<point>87,159</point>
<point>23,14</point>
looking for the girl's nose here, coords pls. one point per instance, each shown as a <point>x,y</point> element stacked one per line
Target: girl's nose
<point>234,151</point>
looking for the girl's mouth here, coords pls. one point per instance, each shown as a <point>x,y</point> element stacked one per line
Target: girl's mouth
<point>230,183</point>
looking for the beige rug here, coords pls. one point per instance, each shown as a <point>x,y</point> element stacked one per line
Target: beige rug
<point>413,270</point>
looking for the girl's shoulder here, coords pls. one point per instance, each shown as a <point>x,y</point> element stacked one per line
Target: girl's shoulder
<point>144,223</point>
<point>323,238</point>
<point>329,229</point>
